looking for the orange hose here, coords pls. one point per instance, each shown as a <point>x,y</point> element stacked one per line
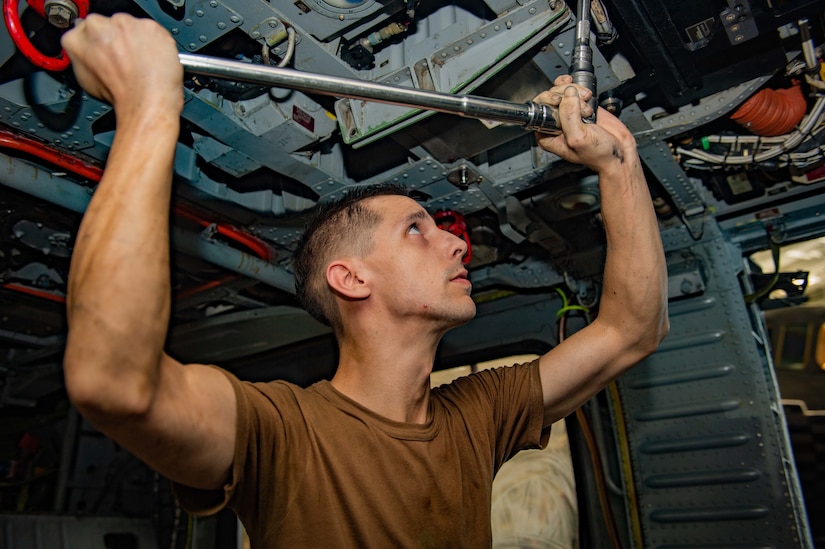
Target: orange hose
<point>772,112</point>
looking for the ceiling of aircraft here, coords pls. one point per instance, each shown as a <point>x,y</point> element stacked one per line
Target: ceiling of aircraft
<point>253,160</point>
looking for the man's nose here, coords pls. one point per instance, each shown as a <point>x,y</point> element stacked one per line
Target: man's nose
<point>457,246</point>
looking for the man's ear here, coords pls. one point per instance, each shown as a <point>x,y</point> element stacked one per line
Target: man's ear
<point>343,277</point>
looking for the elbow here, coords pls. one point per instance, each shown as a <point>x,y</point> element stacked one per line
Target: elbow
<point>103,398</point>
<point>655,335</point>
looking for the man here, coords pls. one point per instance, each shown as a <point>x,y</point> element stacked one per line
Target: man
<point>372,458</point>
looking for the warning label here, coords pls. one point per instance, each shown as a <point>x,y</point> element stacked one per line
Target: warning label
<point>700,32</point>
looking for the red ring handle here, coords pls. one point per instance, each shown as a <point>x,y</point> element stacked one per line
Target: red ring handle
<point>453,222</point>
<point>18,36</point>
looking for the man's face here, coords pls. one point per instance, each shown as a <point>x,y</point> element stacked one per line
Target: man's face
<point>417,269</point>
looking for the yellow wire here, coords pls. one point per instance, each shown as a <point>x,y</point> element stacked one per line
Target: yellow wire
<point>627,469</point>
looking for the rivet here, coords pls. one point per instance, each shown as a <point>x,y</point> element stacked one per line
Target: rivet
<point>203,38</point>
<point>175,31</point>
<point>193,46</point>
<point>199,13</point>
<point>234,18</point>
<point>497,28</point>
<point>213,4</point>
<point>188,22</point>
<point>221,25</point>
<point>256,34</point>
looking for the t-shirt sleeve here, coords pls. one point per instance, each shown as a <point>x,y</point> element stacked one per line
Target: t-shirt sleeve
<point>506,404</point>
<point>261,437</point>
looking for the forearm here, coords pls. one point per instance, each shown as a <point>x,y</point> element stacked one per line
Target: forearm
<point>634,296</point>
<point>118,300</point>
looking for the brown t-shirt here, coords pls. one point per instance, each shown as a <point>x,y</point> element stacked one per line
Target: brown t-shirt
<point>313,468</point>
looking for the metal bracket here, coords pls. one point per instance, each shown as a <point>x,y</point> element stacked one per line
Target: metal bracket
<point>738,21</point>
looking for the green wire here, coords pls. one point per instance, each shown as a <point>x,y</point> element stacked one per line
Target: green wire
<point>566,307</point>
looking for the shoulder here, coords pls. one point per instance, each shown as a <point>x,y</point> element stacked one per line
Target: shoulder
<point>488,383</point>
<point>278,394</point>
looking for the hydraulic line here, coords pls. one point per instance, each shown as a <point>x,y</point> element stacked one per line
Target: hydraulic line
<point>531,115</point>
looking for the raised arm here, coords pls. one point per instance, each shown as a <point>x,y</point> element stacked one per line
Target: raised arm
<point>179,419</point>
<point>632,317</point>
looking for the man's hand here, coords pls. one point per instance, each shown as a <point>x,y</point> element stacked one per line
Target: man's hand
<point>598,146</point>
<point>128,62</point>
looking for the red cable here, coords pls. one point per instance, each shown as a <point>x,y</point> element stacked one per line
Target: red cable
<point>258,246</point>
<point>32,291</point>
<point>772,112</point>
<point>205,286</point>
<point>18,35</point>
<point>94,173</point>
<point>33,147</point>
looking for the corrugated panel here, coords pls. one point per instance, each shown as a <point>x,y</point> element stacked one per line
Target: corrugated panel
<point>711,461</point>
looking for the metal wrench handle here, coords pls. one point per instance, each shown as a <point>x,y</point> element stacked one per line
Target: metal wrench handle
<point>581,69</point>
<point>532,116</point>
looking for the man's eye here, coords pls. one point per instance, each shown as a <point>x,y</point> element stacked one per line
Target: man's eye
<point>414,229</point>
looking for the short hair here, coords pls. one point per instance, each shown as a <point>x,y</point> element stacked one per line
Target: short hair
<point>340,227</point>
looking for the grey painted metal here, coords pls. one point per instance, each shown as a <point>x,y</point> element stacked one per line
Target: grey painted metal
<point>199,24</point>
<point>63,116</point>
<point>233,335</point>
<point>232,259</point>
<point>531,115</point>
<point>708,447</point>
<point>69,532</point>
<point>37,182</point>
<point>660,161</point>
<point>454,61</point>
<point>705,110</point>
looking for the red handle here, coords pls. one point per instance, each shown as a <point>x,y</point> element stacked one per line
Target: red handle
<point>18,35</point>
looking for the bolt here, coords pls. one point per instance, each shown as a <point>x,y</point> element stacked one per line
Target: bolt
<point>61,14</point>
<point>738,38</point>
<point>730,17</point>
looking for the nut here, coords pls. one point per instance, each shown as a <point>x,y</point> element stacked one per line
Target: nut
<point>61,13</point>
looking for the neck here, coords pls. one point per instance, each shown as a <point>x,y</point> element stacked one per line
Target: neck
<point>389,375</point>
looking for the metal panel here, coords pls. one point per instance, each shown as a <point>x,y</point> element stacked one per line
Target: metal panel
<point>709,450</point>
<point>64,532</point>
